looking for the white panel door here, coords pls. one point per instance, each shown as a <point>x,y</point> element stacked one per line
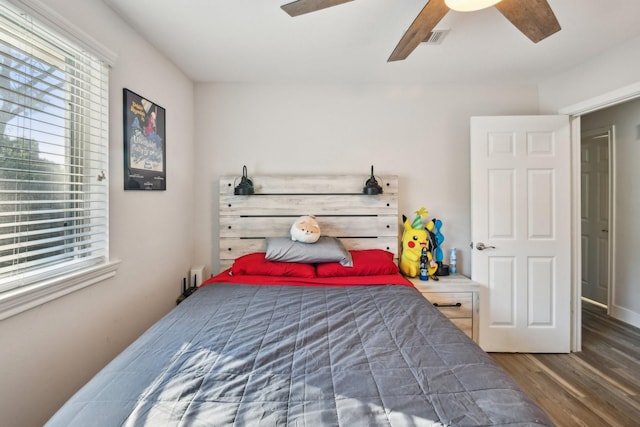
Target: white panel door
<point>521,214</point>
<point>594,174</point>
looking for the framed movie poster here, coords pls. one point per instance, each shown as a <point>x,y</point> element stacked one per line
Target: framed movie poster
<point>144,144</point>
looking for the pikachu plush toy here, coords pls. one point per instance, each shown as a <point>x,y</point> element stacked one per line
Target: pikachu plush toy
<point>415,237</point>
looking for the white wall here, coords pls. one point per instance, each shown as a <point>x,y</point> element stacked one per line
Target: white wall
<point>625,303</point>
<point>50,351</point>
<point>417,132</point>
<point>606,72</point>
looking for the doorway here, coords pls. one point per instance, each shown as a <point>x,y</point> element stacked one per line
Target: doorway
<point>577,112</point>
<point>596,202</point>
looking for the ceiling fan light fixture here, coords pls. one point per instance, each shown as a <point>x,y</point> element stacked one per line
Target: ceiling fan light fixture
<point>469,5</point>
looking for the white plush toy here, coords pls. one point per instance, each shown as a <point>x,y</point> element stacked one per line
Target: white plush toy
<point>305,229</point>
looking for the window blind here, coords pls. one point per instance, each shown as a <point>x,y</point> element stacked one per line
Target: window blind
<point>53,153</point>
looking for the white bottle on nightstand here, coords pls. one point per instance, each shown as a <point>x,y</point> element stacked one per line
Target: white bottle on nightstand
<point>452,262</point>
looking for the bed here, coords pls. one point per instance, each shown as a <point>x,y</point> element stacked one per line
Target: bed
<point>275,343</point>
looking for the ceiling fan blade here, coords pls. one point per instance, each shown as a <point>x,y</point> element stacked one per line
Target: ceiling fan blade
<point>301,7</point>
<point>424,23</point>
<point>534,18</point>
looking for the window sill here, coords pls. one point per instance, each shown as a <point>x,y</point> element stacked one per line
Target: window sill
<point>23,299</point>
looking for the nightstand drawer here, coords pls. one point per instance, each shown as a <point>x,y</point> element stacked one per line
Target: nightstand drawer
<point>454,305</point>
<point>465,325</point>
<point>457,298</point>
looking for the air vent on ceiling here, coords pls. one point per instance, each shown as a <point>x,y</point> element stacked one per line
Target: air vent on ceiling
<point>435,37</point>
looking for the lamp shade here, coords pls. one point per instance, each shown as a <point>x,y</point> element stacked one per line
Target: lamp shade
<point>371,186</point>
<point>245,187</point>
<point>469,5</point>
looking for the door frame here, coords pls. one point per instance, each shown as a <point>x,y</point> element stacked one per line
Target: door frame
<point>605,100</point>
<point>610,131</point>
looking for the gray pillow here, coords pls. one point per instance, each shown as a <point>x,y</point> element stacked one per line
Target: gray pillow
<point>326,249</point>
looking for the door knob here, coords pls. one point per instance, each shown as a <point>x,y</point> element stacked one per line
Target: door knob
<point>481,246</point>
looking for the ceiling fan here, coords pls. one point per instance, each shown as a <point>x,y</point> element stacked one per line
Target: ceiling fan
<point>534,18</point>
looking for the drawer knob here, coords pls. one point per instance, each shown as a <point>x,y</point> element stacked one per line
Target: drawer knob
<point>458,304</point>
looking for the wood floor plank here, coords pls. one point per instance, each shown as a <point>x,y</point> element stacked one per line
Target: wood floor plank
<point>599,386</point>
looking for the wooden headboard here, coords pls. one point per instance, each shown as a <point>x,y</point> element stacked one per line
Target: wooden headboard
<point>360,221</point>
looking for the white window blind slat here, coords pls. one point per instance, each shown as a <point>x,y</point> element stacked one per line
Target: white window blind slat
<point>9,237</point>
<point>53,146</point>
<point>41,271</point>
<point>29,249</point>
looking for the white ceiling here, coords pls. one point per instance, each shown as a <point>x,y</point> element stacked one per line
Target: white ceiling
<point>255,41</point>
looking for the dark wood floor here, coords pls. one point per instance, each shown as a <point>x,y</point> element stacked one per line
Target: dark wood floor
<point>599,386</point>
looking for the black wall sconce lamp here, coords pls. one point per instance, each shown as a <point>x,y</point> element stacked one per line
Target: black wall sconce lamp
<point>245,187</point>
<point>371,187</point>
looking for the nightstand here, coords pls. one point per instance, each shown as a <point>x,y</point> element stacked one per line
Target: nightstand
<point>457,298</point>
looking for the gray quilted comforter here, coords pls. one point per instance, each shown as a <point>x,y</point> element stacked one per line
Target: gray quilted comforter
<point>249,355</point>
